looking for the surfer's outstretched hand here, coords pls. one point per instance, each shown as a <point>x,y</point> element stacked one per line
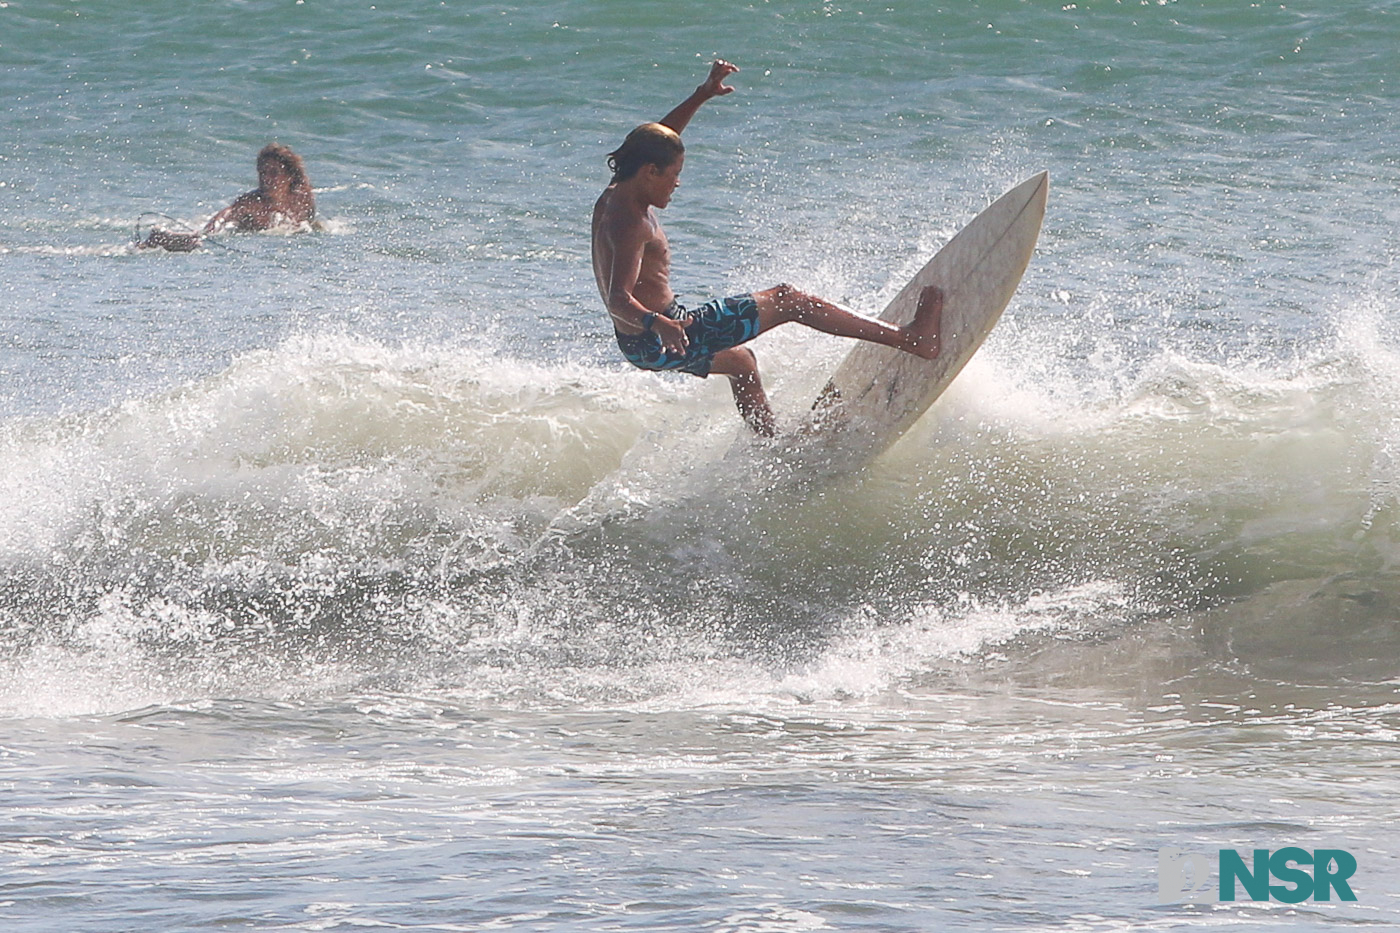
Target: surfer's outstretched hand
<point>714,85</point>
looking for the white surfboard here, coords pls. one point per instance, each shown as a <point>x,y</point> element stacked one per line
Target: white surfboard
<point>878,393</point>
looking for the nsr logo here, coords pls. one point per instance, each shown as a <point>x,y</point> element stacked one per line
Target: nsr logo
<point>1180,875</point>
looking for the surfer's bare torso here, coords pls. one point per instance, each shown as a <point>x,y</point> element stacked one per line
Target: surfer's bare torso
<point>620,230</point>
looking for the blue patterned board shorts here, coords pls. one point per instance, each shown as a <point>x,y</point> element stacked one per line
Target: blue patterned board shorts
<point>714,326</point>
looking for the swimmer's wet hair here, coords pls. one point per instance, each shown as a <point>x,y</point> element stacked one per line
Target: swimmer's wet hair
<point>275,154</point>
<point>649,144</point>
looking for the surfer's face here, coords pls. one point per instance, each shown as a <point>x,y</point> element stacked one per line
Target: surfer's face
<point>665,180</point>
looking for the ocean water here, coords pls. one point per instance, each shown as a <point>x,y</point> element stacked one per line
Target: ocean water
<point>352,580</point>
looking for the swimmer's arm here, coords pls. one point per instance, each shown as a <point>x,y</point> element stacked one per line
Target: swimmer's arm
<point>188,242</point>
<point>623,268</point>
<point>228,217</point>
<point>217,222</point>
<point>238,214</point>
<point>714,86</point>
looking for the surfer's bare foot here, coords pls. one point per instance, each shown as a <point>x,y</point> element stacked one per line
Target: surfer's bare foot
<point>926,328</point>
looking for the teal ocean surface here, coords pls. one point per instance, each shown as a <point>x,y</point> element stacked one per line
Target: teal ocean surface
<point>352,579</point>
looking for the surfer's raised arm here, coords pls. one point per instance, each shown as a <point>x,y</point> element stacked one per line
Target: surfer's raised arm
<point>714,86</point>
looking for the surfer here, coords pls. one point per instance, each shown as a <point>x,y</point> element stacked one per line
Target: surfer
<point>283,198</point>
<point>632,264</point>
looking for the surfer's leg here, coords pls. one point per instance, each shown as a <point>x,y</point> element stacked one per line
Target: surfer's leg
<point>739,365</point>
<point>783,303</point>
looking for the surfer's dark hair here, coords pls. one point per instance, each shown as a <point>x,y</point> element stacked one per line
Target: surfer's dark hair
<point>649,144</point>
<point>276,154</point>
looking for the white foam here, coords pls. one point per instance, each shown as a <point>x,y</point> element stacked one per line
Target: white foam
<point>309,474</point>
